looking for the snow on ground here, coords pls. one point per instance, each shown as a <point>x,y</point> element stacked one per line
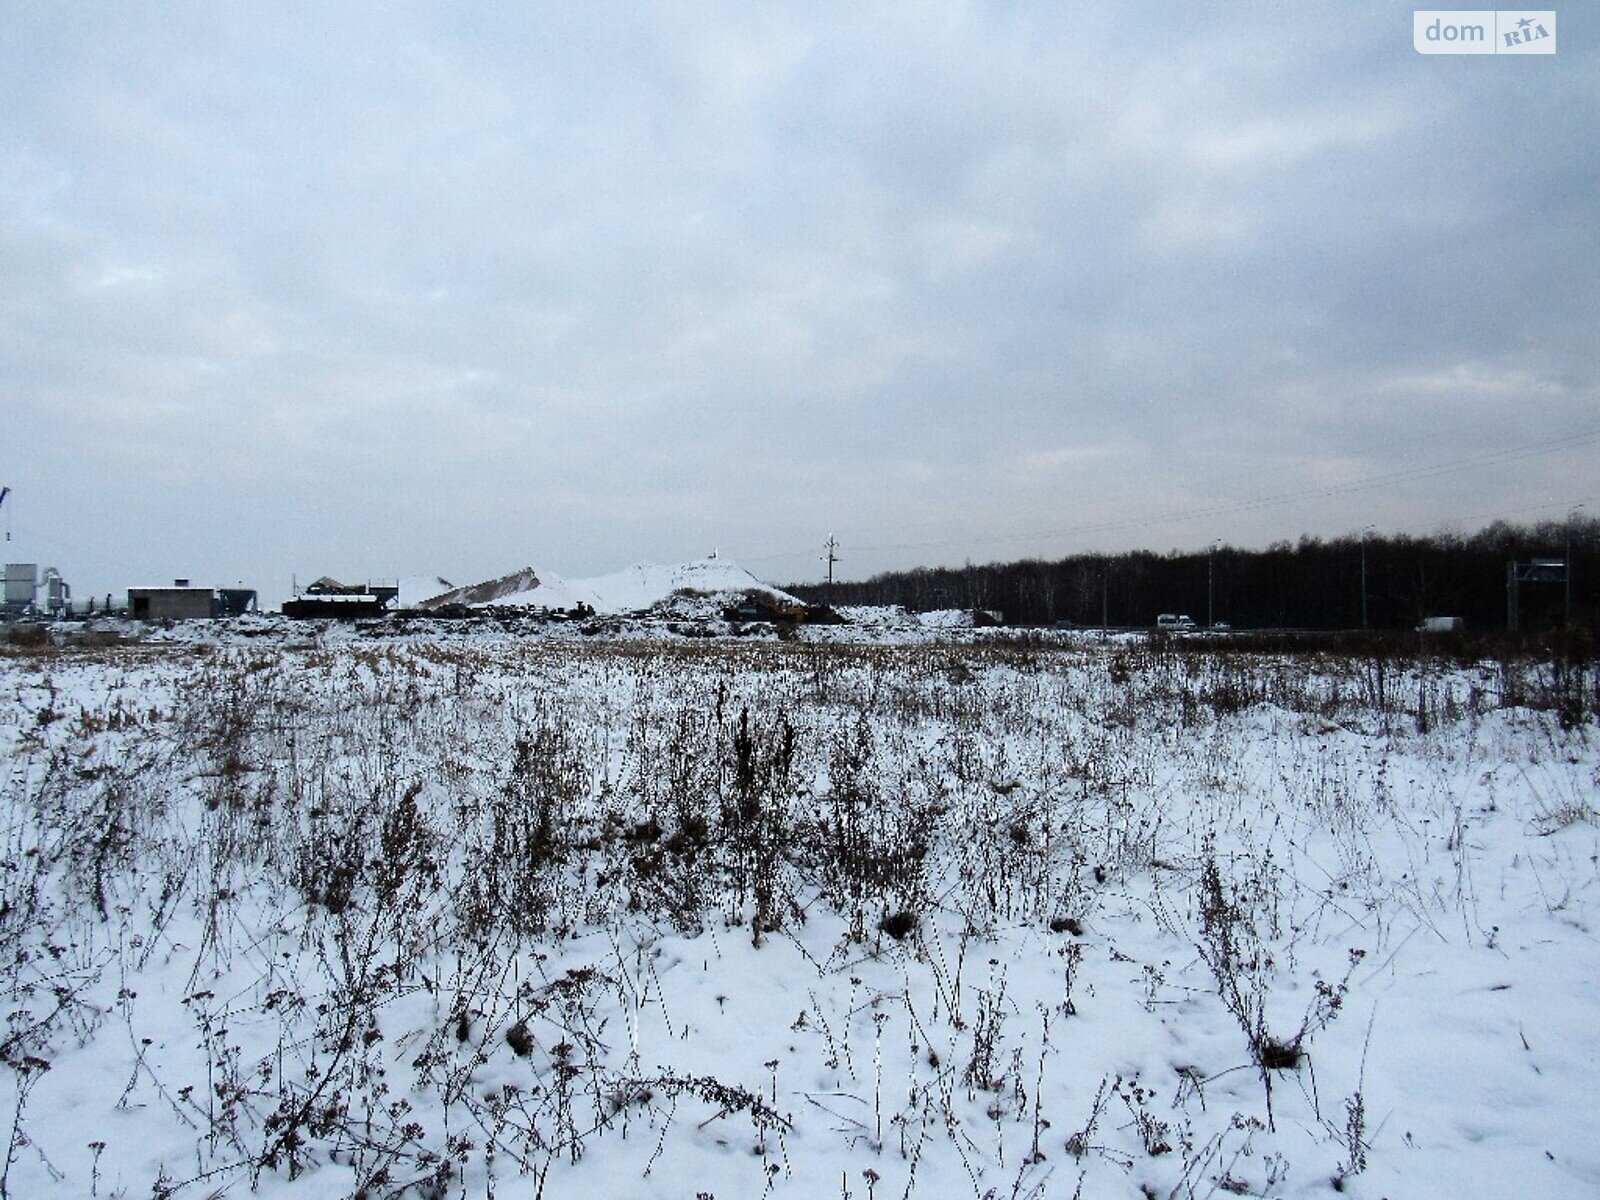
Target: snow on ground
<point>454,915</point>
<point>895,617</point>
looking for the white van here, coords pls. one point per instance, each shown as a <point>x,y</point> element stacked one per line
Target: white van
<point>1174,623</point>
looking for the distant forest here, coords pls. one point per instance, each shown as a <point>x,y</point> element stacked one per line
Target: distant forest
<point>1309,584</point>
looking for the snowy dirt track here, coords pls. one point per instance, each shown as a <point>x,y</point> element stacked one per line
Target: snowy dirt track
<point>433,917</point>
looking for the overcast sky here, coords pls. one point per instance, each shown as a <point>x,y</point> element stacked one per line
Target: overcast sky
<point>395,289</point>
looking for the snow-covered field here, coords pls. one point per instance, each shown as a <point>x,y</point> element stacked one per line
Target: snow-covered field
<point>490,915</point>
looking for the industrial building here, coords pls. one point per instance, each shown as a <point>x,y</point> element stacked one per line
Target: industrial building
<point>184,602</point>
<point>28,594</point>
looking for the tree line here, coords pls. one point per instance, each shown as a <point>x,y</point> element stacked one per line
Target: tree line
<point>1389,581</point>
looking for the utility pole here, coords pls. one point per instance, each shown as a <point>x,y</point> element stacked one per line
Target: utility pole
<point>1364,534</point>
<point>1572,519</point>
<point>831,546</point>
<point>1211,571</point>
<point>1513,615</point>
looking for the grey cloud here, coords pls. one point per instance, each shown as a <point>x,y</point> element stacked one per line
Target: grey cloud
<point>577,284</point>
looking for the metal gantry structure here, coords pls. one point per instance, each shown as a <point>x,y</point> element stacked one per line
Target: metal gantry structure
<point>1538,570</point>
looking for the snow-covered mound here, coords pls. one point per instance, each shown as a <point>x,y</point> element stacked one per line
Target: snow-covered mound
<point>645,585</point>
<point>526,588</point>
<point>416,590</point>
<point>549,591</point>
<point>642,587</point>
